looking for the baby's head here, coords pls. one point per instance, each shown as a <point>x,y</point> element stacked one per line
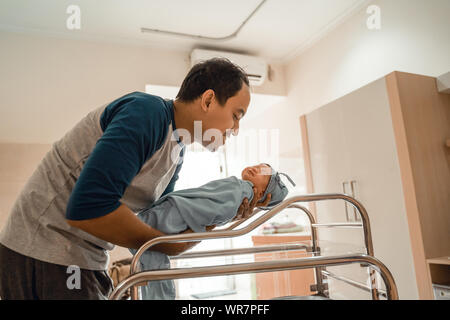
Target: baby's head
<point>266,180</point>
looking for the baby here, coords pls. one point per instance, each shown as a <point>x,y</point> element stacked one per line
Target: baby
<point>214,203</point>
<point>266,181</point>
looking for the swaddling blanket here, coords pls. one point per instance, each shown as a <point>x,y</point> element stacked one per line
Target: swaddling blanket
<point>214,203</point>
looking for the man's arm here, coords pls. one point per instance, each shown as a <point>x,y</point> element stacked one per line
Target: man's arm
<point>123,228</point>
<point>133,131</point>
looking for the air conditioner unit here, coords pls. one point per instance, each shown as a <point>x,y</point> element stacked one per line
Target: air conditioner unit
<point>255,68</point>
<point>443,83</point>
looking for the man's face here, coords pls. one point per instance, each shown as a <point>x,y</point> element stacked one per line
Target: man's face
<point>225,118</point>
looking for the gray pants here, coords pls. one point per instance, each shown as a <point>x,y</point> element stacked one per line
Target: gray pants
<point>25,278</point>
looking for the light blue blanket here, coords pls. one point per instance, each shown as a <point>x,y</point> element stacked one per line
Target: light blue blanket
<point>214,203</point>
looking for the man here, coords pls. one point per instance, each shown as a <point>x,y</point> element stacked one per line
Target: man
<point>82,198</point>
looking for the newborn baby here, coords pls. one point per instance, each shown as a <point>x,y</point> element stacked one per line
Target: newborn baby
<point>214,203</point>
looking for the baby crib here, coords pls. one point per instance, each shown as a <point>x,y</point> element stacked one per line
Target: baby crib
<point>315,261</point>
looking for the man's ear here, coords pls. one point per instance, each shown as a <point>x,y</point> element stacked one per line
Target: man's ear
<point>207,98</point>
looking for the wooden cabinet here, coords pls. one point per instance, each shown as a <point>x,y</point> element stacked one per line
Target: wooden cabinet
<point>440,277</point>
<point>282,283</point>
<point>390,138</point>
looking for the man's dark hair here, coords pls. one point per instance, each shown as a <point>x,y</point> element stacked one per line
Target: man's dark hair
<point>218,74</point>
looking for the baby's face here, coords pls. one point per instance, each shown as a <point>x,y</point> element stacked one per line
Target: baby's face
<point>259,175</point>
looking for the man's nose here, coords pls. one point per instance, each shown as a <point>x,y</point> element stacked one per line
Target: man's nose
<point>235,129</point>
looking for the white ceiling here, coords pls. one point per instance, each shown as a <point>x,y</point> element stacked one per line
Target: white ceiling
<point>278,31</point>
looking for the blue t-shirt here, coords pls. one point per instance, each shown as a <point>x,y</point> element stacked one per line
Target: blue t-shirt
<point>134,127</point>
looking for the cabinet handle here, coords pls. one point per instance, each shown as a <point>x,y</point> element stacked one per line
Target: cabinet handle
<point>353,188</point>
<point>345,202</point>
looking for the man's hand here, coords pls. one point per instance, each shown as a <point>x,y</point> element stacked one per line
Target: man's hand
<point>245,209</point>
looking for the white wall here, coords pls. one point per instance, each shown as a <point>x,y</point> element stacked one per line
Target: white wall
<point>48,83</point>
<point>414,37</point>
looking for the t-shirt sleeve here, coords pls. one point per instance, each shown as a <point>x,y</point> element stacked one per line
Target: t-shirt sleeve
<point>133,130</point>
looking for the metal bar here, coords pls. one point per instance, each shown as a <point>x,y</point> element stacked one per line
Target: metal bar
<point>338,225</point>
<point>254,224</point>
<point>226,252</point>
<point>353,283</point>
<point>346,204</point>
<point>315,249</point>
<point>265,266</point>
<point>239,222</point>
<point>353,188</point>
<point>188,35</point>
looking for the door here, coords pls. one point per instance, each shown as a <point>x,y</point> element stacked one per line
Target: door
<point>328,163</point>
<point>352,139</point>
<point>373,165</point>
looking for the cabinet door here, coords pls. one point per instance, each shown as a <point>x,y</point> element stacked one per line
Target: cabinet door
<point>373,164</point>
<point>330,166</point>
<point>328,163</point>
<point>352,139</point>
